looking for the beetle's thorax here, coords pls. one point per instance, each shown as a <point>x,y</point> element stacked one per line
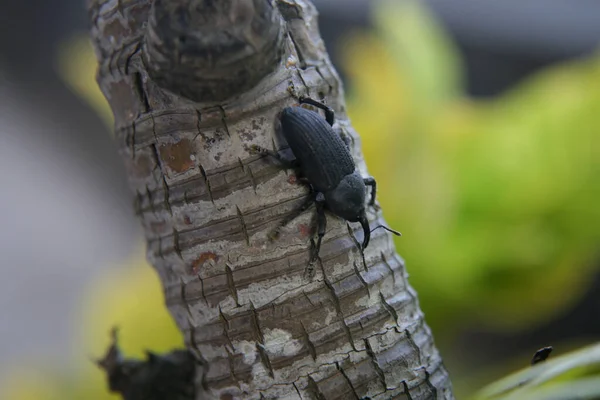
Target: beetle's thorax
<point>347,199</point>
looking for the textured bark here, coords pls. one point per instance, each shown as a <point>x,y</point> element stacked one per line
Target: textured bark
<point>247,306</point>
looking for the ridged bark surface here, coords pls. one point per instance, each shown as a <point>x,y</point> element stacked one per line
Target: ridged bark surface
<point>248,306</point>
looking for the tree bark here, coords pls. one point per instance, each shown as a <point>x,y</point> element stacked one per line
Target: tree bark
<point>192,84</point>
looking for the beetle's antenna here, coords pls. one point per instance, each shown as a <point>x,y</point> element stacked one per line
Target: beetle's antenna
<point>365,225</point>
<point>387,229</point>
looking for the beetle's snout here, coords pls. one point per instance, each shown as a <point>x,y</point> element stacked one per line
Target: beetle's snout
<point>367,232</point>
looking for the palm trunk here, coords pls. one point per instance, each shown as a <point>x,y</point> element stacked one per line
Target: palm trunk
<point>192,84</point>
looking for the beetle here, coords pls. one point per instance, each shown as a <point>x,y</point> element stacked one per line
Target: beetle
<point>323,162</point>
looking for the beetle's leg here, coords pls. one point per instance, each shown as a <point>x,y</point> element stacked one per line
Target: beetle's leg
<point>288,164</point>
<point>303,181</point>
<point>370,181</point>
<point>328,111</point>
<point>305,206</point>
<point>329,116</point>
<point>321,225</point>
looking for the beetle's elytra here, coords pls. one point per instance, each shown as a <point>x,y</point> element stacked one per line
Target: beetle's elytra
<point>323,161</point>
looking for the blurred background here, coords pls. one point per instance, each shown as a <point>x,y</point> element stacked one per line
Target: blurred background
<point>478,119</point>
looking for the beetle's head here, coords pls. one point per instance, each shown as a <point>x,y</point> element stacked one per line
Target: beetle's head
<point>347,199</point>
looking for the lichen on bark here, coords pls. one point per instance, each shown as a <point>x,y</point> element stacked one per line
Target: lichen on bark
<point>193,84</point>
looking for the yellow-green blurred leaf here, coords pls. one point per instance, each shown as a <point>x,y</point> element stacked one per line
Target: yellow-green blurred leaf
<point>130,298</point>
<point>27,383</point>
<point>422,50</point>
<point>76,64</point>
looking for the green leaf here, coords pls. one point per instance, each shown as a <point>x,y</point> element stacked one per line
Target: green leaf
<point>423,49</point>
<point>556,378</point>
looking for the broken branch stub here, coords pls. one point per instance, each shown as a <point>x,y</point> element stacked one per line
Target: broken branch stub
<point>184,122</point>
<point>209,51</point>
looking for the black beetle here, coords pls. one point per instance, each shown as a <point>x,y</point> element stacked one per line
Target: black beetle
<point>323,161</point>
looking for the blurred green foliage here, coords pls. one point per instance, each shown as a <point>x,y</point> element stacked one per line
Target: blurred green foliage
<point>496,200</point>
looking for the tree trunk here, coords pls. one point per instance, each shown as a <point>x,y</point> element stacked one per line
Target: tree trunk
<point>192,84</point>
